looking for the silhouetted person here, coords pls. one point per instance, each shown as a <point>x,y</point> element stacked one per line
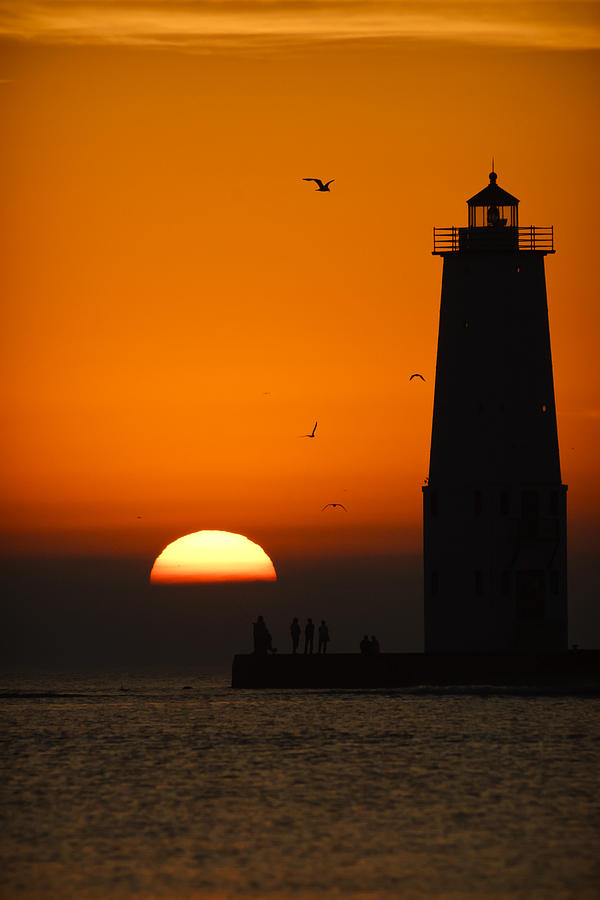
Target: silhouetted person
<point>365,645</point>
<point>309,636</point>
<point>262,638</point>
<point>323,637</point>
<point>375,649</point>
<point>295,633</point>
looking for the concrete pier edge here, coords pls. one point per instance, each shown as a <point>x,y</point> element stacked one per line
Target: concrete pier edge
<point>561,670</point>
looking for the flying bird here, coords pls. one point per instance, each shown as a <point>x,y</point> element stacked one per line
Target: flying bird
<point>341,505</point>
<point>416,375</point>
<point>319,183</point>
<point>312,434</point>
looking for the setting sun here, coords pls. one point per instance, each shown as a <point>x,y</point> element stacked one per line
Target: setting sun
<point>212,556</point>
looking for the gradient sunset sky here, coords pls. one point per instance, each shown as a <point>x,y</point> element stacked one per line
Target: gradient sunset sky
<point>180,307</point>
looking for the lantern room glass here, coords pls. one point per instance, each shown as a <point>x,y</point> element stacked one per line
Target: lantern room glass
<point>493,216</point>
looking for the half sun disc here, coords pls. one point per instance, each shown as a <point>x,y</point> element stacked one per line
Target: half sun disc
<point>212,556</point>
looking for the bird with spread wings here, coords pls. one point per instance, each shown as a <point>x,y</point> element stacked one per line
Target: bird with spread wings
<point>341,505</point>
<point>320,185</point>
<point>312,434</point>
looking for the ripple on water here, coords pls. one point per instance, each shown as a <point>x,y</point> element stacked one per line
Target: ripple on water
<point>158,793</point>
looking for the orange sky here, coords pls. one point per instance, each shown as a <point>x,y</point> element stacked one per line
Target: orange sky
<point>180,306</point>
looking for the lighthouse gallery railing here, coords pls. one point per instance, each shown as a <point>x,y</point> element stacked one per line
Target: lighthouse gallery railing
<point>525,237</point>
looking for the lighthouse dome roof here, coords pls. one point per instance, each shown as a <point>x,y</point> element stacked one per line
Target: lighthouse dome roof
<point>492,195</point>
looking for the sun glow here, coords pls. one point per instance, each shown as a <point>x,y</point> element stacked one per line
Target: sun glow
<point>212,556</point>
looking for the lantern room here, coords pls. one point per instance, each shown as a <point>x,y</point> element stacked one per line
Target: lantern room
<point>493,208</point>
<point>493,227</point>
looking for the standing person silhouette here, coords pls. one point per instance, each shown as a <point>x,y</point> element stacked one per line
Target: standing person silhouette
<point>323,637</point>
<point>309,636</point>
<point>262,638</point>
<point>295,633</point>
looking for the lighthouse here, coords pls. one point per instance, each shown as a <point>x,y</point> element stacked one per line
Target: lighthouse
<point>494,506</point>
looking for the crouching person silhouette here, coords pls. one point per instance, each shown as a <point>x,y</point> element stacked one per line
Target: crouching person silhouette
<point>262,638</point>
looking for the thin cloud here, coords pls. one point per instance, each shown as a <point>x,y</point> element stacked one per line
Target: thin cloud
<point>566,24</point>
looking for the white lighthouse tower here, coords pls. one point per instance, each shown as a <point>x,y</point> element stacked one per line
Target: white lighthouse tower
<point>494,507</point>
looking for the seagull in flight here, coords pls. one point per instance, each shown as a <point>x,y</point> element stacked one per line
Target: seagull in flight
<point>312,434</point>
<point>341,505</point>
<point>319,183</point>
<point>416,375</point>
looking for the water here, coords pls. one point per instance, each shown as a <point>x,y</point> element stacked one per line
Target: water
<point>158,791</point>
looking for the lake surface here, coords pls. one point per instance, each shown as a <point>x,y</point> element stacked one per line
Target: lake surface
<point>178,787</point>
